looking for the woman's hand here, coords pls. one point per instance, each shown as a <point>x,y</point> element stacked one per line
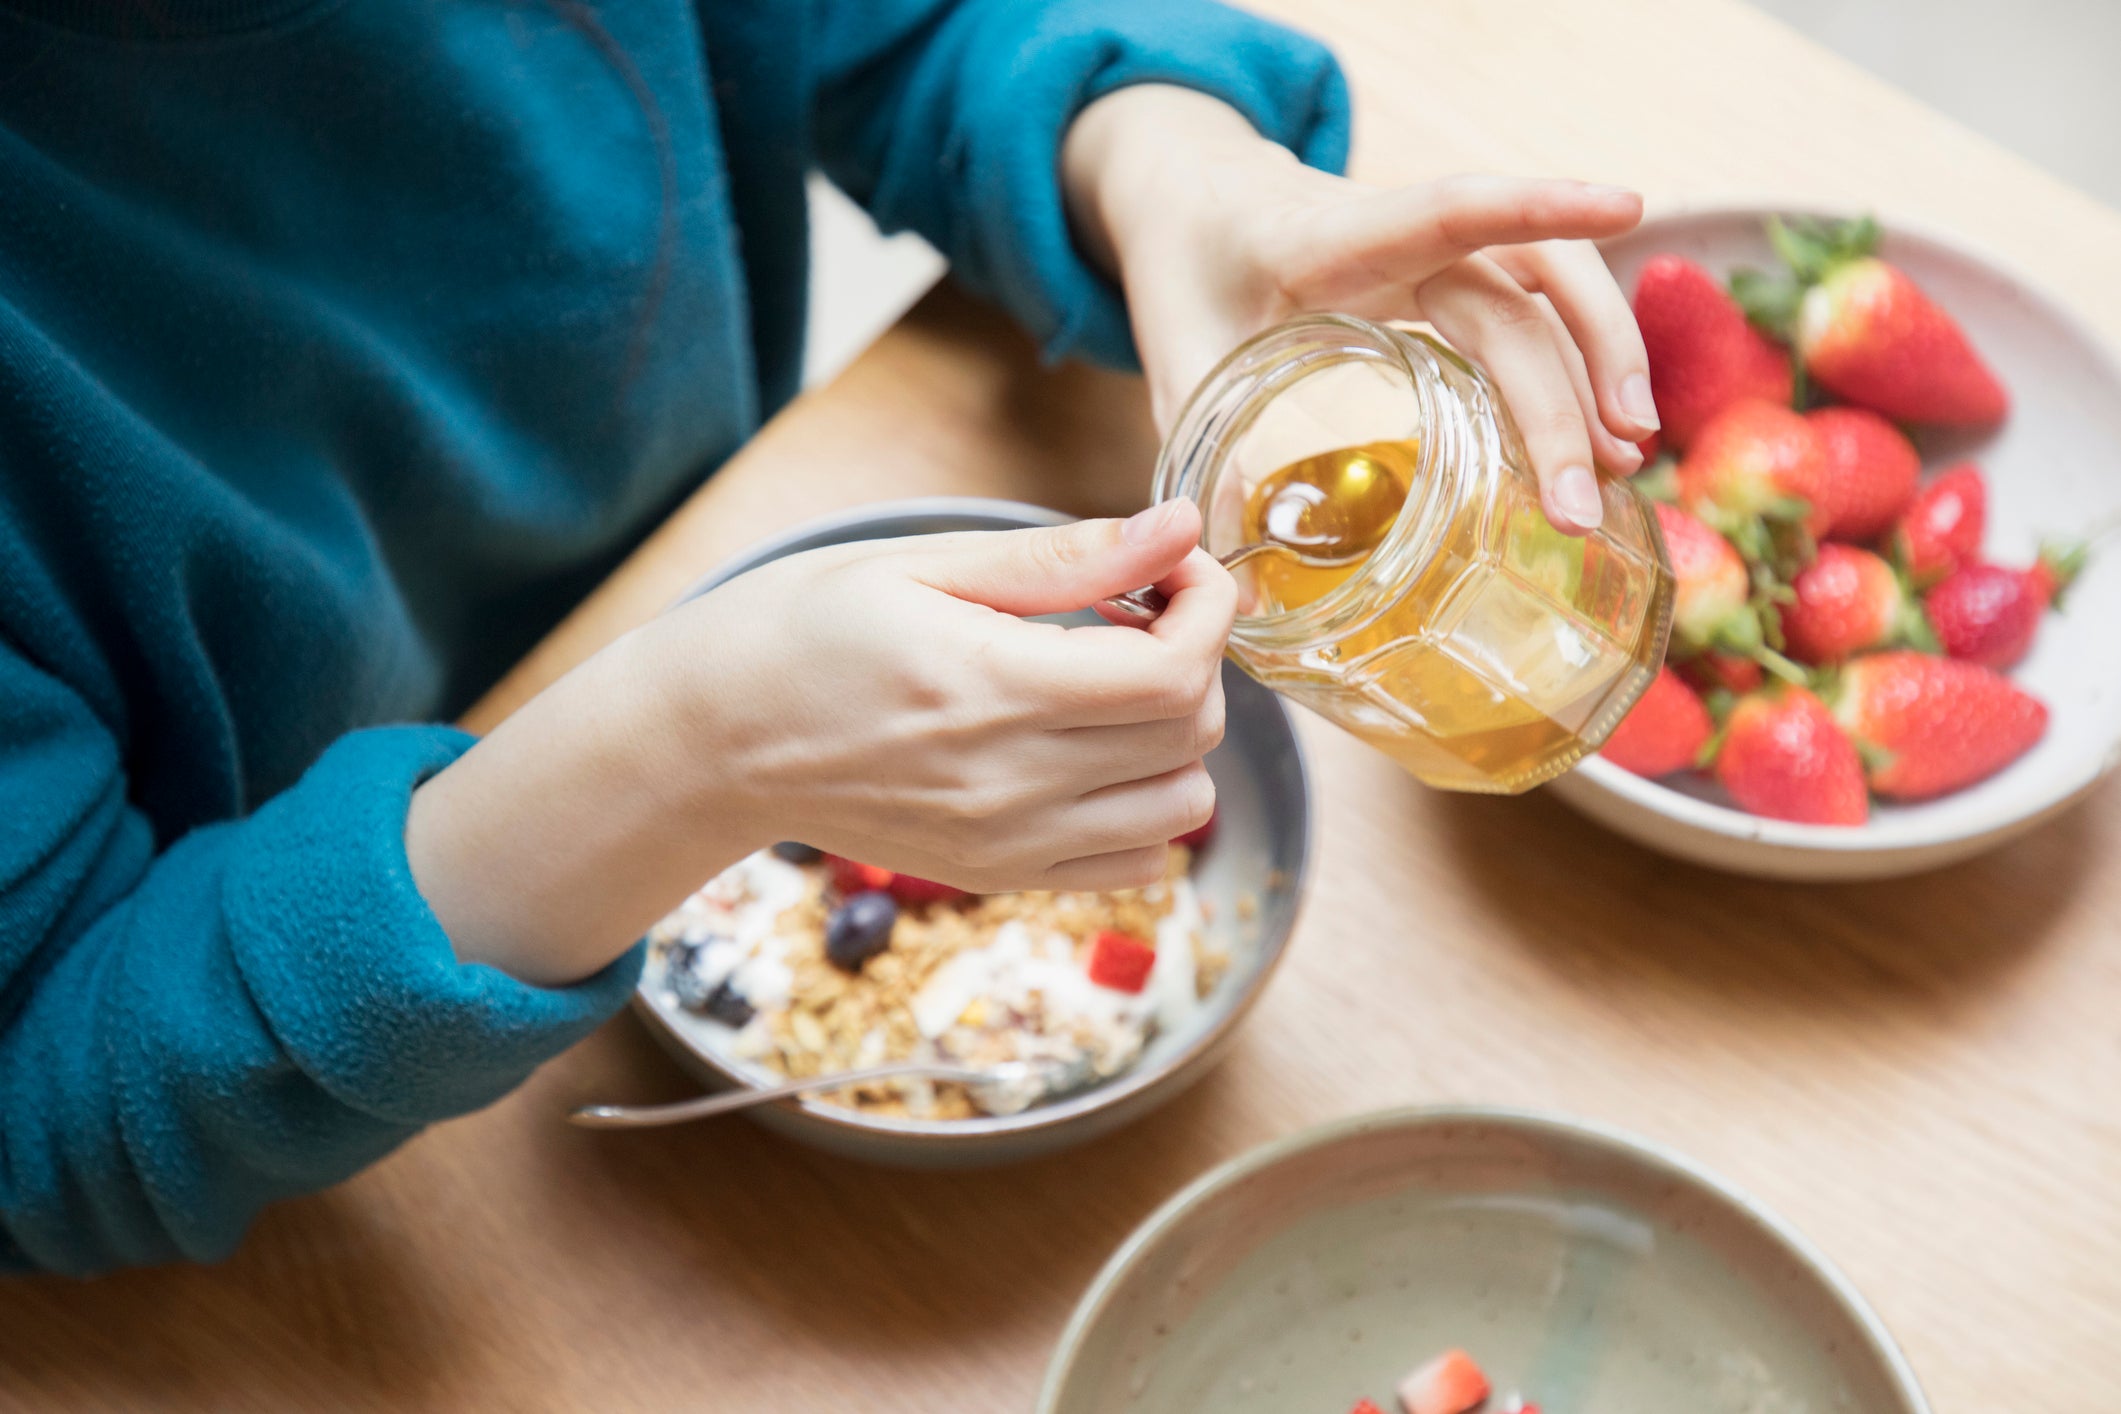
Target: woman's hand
<point>882,700</point>
<point>1217,233</point>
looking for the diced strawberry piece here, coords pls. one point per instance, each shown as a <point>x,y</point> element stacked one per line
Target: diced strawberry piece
<point>910,889</point>
<point>1120,962</point>
<point>851,878</point>
<point>1449,1384</point>
<point>1664,732</point>
<point>1197,838</point>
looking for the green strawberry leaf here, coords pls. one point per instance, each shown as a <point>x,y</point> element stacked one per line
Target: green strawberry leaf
<point>1769,301</point>
<point>2065,560</point>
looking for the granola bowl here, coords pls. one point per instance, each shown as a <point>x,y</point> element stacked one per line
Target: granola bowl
<point>1132,996</point>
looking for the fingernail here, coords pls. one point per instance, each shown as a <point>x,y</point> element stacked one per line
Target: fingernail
<point>1143,526</point>
<point>1602,189</point>
<point>1576,496</point>
<point>1636,402</point>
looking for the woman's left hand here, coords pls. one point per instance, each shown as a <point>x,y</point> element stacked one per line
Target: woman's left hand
<point>1217,233</point>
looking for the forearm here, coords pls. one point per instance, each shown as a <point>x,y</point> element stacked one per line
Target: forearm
<point>552,845</point>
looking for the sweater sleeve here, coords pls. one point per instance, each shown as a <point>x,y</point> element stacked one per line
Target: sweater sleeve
<point>948,119</point>
<point>259,1009</point>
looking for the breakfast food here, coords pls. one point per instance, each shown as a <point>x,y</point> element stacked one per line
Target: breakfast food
<point>805,964</point>
<point>1837,634</point>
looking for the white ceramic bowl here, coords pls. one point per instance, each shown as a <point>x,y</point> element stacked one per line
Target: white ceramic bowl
<point>1585,1270</point>
<point>2053,469</point>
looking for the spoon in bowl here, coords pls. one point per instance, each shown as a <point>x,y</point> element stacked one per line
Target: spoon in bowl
<point>1009,1086</point>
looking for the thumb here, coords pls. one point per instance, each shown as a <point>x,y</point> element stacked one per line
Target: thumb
<point>1057,569</point>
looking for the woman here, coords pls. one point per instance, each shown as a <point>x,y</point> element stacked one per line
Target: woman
<point>343,346</point>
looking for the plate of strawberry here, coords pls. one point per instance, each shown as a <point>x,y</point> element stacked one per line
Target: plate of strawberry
<point>1885,475</point>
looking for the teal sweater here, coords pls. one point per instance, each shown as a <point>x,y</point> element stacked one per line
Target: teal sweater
<point>343,345</point>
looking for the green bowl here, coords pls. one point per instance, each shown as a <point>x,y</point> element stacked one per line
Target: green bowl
<point>1586,1271</point>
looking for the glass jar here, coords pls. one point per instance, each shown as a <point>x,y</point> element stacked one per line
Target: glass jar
<point>1475,644</point>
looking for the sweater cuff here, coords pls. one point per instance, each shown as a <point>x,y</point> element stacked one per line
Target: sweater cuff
<point>1286,84</point>
<point>349,966</point>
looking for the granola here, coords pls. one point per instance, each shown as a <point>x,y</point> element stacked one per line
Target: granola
<point>747,966</point>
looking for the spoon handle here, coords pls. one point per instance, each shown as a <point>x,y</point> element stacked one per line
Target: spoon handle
<point>707,1106</point>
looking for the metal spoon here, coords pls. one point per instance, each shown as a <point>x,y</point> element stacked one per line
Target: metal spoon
<point>1139,607</point>
<point>1059,1076</point>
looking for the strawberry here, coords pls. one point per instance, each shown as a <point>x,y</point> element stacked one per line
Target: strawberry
<point>910,889</point>
<point>1727,672</point>
<point>1712,601</point>
<point>1871,470</point>
<point>1664,732</point>
<point>1120,962</point>
<point>1866,332</point>
<point>1449,1384</point>
<point>1197,838</point>
<point>1987,614</point>
<point>1847,601</point>
<point>1781,755</point>
<point>1703,354</point>
<point>1942,529</point>
<point>1364,1406</point>
<point>1932,725</point>
<point>1756,462</point>
<point>1651,448</point>
<point>851,878</point>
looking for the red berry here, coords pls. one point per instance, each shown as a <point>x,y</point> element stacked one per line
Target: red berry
<point>1934,725</point>
<point>1782,756</point>
<point>1197,838</point>
<point>1873,338</point>
<point>1364,1406</point>
<point>851,878</point>
<point>1871,471</point>
<point>1704,356</point>
<point>1665,731</point>
<point>1712,594</point>
<point>1449,1384</point>
<point>1728,671</point>
<point>1650,447</point>
<point>910,890</point>
<point>1988,614</point>
<point>1847,600</point>
<point>1120,962</point>
<point>1943,527</point>
<point>1757,461</point>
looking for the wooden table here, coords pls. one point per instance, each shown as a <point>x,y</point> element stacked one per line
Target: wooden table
<point>1925,1076</point>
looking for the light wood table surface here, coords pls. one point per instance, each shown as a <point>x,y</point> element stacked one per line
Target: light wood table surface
<point>1925,1076</point>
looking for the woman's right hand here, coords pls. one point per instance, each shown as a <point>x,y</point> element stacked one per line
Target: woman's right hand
<point>886,700</point>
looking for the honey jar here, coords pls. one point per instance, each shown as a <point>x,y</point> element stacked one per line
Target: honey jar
<point>1409,587</point>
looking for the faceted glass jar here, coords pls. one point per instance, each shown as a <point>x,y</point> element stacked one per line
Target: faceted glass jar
<point>1475,644</point>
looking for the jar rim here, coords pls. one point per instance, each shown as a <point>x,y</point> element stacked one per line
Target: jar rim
<point>1225,403</point>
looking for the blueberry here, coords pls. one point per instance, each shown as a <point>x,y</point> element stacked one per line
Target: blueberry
<point>859,929</point>
<point>727,1005</point>
<point>797,853</point>
<point>681,971</point>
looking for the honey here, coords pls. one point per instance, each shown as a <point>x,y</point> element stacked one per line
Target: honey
<point>1415,593</point>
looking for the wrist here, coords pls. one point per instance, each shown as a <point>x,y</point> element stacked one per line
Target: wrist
<point>1142,164</point>
<point>552,845</point>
